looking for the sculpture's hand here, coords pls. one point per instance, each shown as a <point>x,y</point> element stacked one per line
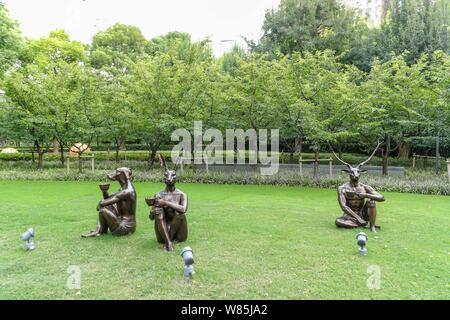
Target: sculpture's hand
<point>362,195</point>
<point>161,203</point>
<point>361,220</point>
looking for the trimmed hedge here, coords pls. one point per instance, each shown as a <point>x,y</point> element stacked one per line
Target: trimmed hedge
<point>284,157</point>
<point>421,183</point>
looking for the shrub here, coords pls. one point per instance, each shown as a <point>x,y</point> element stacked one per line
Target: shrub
<point>421,183</point>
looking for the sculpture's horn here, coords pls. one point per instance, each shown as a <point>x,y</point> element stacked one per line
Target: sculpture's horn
<point>163,162</point>
<point>371,156</point>
<point>340,160</point>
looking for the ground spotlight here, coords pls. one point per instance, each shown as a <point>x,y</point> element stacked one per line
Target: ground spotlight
<point>188,258</point>
<point>28,236</point>
<point>362,240</point>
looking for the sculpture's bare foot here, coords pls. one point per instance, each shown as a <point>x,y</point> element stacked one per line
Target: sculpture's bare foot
<point>91,234</point>
<point>373,229</point>
<point>169,247</point>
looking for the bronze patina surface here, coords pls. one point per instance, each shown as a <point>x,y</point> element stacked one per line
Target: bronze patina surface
<point>117,211</point>
<point>357,200</point>
<point>168,209</point>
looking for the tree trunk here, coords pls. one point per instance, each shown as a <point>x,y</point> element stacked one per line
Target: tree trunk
<point>298,145</point>
<point>61,154</point>
<point>80,164</point>
<point>40,159</point>
<point>56,146</point>
<point>120,143</point>
<point>117,151</point>
<point>152,155</point>
<point>404,149</point>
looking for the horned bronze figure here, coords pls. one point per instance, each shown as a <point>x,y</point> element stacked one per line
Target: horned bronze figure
<point>352,198</point>
<point>168,209</point>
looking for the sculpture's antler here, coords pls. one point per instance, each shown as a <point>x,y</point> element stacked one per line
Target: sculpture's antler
<point>371,156</point>
<point>342,161</point>
<point>163,162</point>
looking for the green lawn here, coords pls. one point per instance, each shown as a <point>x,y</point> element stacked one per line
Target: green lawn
<point>255,242</point>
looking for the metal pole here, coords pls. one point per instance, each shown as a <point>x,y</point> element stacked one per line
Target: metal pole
<point>331,167</point>
<point>300,163</point>
<point>437,154</point>
<point>68,164</point>
<point>414,161</point>
<point>93,164</point>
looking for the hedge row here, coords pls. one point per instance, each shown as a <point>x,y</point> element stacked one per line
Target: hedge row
<point>144,155</point>
<point>420,183</point>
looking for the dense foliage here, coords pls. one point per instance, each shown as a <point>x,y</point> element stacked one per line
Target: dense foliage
<point>311,75</point>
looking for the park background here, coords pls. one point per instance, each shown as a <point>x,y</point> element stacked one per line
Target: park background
<point>321,72</point>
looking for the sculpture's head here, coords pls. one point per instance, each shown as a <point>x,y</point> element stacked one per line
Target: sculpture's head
<point>355,172</point>
<point>121,175</point>
<point>170,176</point>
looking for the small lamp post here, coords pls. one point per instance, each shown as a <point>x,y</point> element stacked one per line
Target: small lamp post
<point>188,257</point>
<point>361,239</point>
<point>28,236</point>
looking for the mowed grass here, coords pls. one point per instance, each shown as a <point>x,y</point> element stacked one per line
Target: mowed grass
<point>250,242</point>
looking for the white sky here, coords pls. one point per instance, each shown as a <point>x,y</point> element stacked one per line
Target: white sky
<point>217,19</point>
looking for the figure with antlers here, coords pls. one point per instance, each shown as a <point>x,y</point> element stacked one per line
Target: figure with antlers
<point>352,198</point>
<point>169,208</point>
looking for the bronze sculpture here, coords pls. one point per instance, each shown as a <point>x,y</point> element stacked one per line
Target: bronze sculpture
<point>351,196</point>
<point>169,207</point>
<point>117,211</point>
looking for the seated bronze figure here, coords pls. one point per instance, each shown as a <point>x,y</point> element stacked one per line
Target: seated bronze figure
<point>169,207</point>
<point>117,211</point>
<point>352,198</point>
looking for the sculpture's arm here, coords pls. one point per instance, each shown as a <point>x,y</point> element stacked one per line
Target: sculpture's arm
<point>113,198</point>
<point>343,203</point>
<point>178,207</point>
<point>372,194</point>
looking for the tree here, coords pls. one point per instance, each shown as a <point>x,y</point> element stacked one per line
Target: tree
<point>307,25</point>
<point>437,109</point>
<point>415,26</point>
<point>87,118</point>
<point>117,109</point>
<point>254,99</point>
<point>116,46</point>
<point>11,40</point>
<point>25,116</point>
<point>169,93</point>
<point>53,60</point>
<point>397,96</point>
<point>48,52</point>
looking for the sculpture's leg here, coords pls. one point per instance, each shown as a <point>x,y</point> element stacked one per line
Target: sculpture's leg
<point>372,214</point>
<point>345,222</point>
<point>162,228</point>
<point>123,229</point>
<point>179,229</point>
<point>107,218</point>
<point>159,238</point>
